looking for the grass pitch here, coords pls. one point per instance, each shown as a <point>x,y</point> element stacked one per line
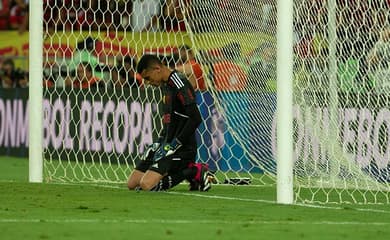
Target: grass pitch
<point>65,211</point>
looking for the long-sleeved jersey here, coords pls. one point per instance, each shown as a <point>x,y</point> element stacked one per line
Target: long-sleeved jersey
<point>181,116</point>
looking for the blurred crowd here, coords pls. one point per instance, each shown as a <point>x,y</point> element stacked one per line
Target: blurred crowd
<point>362,43</point>
<point>142,15</point>
<point>84,67</point>
<point>11,77</point>
<point>14,15</point>
<point>138,15</point>
<point>362,38</point>
<point>362,30</point>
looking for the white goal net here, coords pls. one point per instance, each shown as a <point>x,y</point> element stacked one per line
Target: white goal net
<point>96,129</point>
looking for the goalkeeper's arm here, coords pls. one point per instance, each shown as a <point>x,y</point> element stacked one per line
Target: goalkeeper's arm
<point>192,123</point>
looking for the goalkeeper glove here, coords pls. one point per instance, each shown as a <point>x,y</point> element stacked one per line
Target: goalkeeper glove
<point>150,151</point>
<point>167,149</point>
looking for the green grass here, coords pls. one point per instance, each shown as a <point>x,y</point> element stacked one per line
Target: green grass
<point>64,211</point>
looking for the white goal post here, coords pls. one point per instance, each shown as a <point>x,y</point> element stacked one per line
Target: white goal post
<point>35,91</point>
<point>284,117</point>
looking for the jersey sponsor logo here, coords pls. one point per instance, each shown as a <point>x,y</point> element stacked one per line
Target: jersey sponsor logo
<point>177,80</point>
<point>167,118</point>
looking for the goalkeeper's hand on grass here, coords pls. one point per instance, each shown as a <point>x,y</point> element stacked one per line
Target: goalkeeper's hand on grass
<point>167,149</point>
<point>150,151</point>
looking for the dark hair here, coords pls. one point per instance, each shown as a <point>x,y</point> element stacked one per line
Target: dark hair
<point>146,61</point>
<point>9,61</point>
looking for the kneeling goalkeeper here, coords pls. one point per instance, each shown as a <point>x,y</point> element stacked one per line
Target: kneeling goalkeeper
<point>171,160</point>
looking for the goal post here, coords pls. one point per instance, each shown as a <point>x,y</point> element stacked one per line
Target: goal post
<point>35,91</point>
<point>284,102</point>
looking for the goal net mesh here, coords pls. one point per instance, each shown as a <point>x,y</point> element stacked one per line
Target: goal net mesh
<point>99,116</point>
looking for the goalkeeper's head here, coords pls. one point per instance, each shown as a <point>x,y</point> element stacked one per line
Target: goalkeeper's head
<point>152,70</point>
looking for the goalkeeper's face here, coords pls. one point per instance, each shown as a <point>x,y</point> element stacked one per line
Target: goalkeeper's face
<point>152,76</point>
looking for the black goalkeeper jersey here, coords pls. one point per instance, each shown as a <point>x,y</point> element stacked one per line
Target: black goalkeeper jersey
<point>181,116</point>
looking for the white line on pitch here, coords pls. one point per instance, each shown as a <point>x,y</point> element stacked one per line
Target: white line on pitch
<point>222,197</point>
<point>273,202</point>
<point>172,221</point>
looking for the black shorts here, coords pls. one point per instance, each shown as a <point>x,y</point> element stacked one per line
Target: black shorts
<point>168,165</point>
